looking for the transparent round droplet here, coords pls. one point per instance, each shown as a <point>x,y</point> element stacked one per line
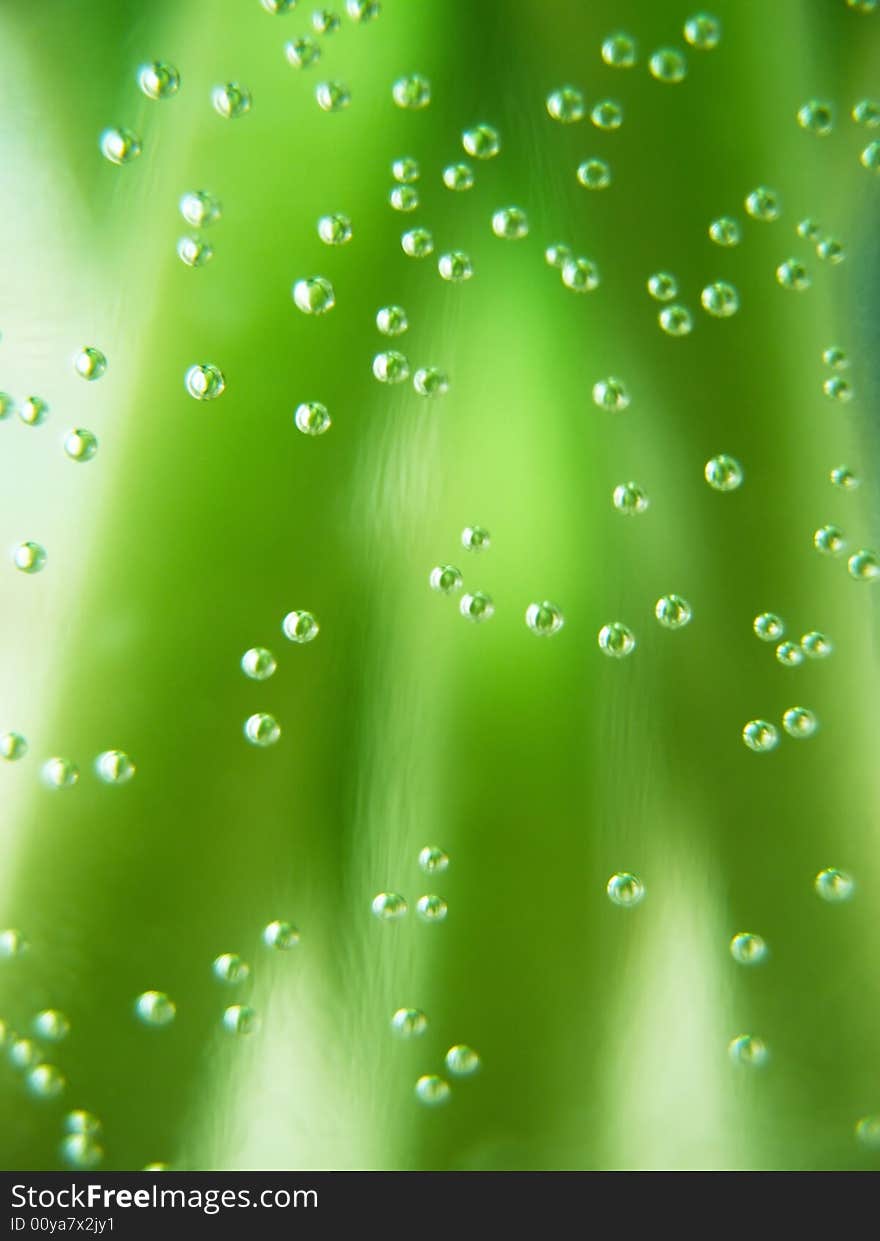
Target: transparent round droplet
<point>458,177</point>
<point>391,367</point>
<point>760,736</point>
<point>314,295</point>
<point>868,1131</point>
<point>392,320</point>
<point>81,1121</point>
<point>409,1022</point>
<point>768,627</point>
<point>60,773</point>
<point>673,612</point>
<point>80,1151</point>
<point>278,7</point>
<point>870,157</point>
<point>723,473</point>
<point>619,50</point>
<point>29,557</point>
<point>809,229</point>
<point>662,286</point>
<point>312,418</point>
<point>403,197</point>
<point>816,116</point>
<point>389,906</point>
<point>789,654</point>
<point>676,320</point>
<point>462,1061</point>
<point>412,92</point>
<point>120,145</point>
<point>418,243</point>
<point>799,722</point>
<point>302,52</point>
<point>837,389</point>
<point>703,31</point>
<point>114,767</point>
<point>835,357</point>
<point>334,230</point>
<point>476,606</point>
<point>566,105</point>
<point>748,1050</point>
<point>431,908</point>
<point>475,539</point>
<point>240,1019</point>
<point>80,444</point>
<point>12,943</point>
<point>594,174</point>
<point>544,618</point>
<point>363,10</point>
<point>200,208</point>
<point>510,223</point>
<point>24,1053</point>
<point>90,363</point>
<point>720,299</point>
<point>300,627</point>
<point>229,968</point>
<point>725,231</point>
<point>834,885</point>
<point>430,381</point>
<point>231,101</point>
<point>668,64</point>
<point>432,1090</point>
<point>581,275</point>
<point>829,540</point>
<point>258,663</point>
<point>816,645</point>
<point>762,203</point>
<point>325,21</point>
<point>607,114</point>
<point>262,729</point>
<point>332,96</point>
<point>481,141</point>
<point>13,746</point>
<point>557,254</point>
<point>194,251</point>
<point>611,394</point>
<point>158,80</point>
<point>616,640</point>
<point>792,274</point>
<point>51,1025</point>
<point>864,565</point>
<point>830,250</point>
<point>281,935</point>
<point>867,112</point>
<point>630,499</point>
<point>455,266</point>
<point>405,169</point>
<point>205,381</point>
<point>433,860</point>
<point>748,949</point>
<point>46,1081</point>
<point>33,411</point>
<point>625,890</point>
<point>154,1008</point>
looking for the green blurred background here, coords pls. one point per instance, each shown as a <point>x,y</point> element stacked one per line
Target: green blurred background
<point>540,766</point>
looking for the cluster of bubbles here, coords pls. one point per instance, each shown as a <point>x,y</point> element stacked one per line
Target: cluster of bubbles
<point>110,766</point>
<point>391,906</point>
<point>199,209</point>
<point>258,663</point>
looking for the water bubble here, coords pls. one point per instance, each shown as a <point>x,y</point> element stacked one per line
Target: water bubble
<point>763,204</point>
<point>510,223</point>
<point>80,1151</point>
<point>29,557</point>
<point>281,935</point>
<point>302,52</point>
<point>625,890</point>
<point>703,31</point>
<point>607,114</point>
<point>868,1131</point>
<point>194,251</point>
<point>619,50</point>
<point>789,654</point>
<point>580,275</point>
<point>557,254</point>
<point>748,949</point>
<point>430,381</point>
<point>768,626</point>
<point>630,499</point>
<point>51,1025</point>
<point>481,142</point>
<point>403,197</point>
<point>119,145</point>
<point>594,174</point>
<point>33,411</point>
<point>748,1050</point>
<point>870,157</point>
<point>668,64</point>
<point>725,231</point>
<point>760,736</point>
<point>566,105</point>
<point>845,478</point>
<point>154,1008</point>
<point>412,92</point>
<point>462,1061</point>
<point>458,177</point>
<point>405,169</point>
<point>363,10</point>
<point>834,885</point>
<point>46,1081</point>
<point>230,968</point>
<point>12,943</point>
<point>334,230</point>
<point>431,908</point>
<point>278,7</point>
<point>455,266</point>
<point>418,243</point>
<point>432,1090</point>
<point>114,767</point>
<point>90,363</point>
<point>200,208</point>
<point>544,618</point>
<point>809,229</point>
<point>433,860</point>
<point>325,21</point>
<point>830,250</point>
<point>792,274</point>
<point>300,627</point>
<point>332,96</point>
<point>837,389</point>
<point>867,112</point>
<point>391,367</point>
<point>205,382</point>
<point>158,80</point>
<point>476,606</point>
<point>258,663</point>
<point>231,101</point>
<point>720,299</point>
<point>835,358</point>
<point>24,1053</point>
<point>240,1019</point>
<point>864,565</point>
<point>610,394</point>
<point>662,286</point>
<point>389,906</point>
<point>409,1022</point>
<point>817,117</point>
<point>13,746</point>
<point>475,539</point>
<point>391,320</point>
<point>723,473</point>
<point>816,645</point>
<point>673,612</point>
<point>312,418</point>
<point>829,540</point>
<point>262,729</point>
<point>798,722</point>
<point>616,640</point>
<point>314,295</point>
<point>676,320</point>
